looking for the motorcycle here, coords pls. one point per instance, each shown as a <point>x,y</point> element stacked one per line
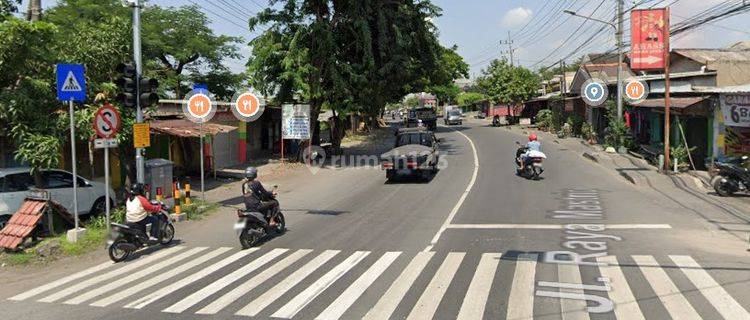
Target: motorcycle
<point>731,176</point>
<point>530,167</point>
<point>496,121</point>
<point>124,239</point>
<point>253,226</point>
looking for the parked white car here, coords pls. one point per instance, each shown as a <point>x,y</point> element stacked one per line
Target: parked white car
<point>16,182</point>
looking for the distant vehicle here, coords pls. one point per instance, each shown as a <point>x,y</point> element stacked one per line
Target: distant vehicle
<point>480,115</point>
<point>16,182</point>
<point>415,153</point>
<point>453,116</point>
<point>428,116</point>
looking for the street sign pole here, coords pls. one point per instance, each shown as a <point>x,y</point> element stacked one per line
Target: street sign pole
<point>139,161</point>
<point>73,163</point>
<point>106,186</point>
<point>619,59</point>
<point>203,181</point>
<point>667,120</point>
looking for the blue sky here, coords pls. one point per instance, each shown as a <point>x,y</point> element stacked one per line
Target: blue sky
<point>478,26</point>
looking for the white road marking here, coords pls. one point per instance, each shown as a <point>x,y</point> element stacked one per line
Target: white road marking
<point>554,226</point>
<point>463,195</point>
<point>433,294</point>
<point>249,285</point>
<point>670,296</point>
<point>521,300</point>
<point>356,289</point>
<point>184,282</point>
<point>257,305</point>
<point>226,280</point>
<point>714,293</point>
<point>390,300</point>
<point>572,309</point>
<point>626,307</point>
<point>133,277</point>
<point>479,289</point>
<point>109,275</point>
<point>159,278</point>
<point>57,283</point>
<point>294,306</point>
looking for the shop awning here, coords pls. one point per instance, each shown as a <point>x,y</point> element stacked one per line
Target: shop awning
<point>187,129</point>
<point>678,103</point>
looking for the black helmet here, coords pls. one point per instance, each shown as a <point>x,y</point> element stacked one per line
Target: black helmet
<point>251,173</point>
<point>137,189</point>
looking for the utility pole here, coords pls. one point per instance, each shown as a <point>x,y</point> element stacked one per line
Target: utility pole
<point>139,161</point>
<point>508,42</point>
<point>562,78</point>
<point>619,59</point>
<point>35,11</point>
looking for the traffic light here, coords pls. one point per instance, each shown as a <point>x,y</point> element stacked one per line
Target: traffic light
<point>148,89</point>
<point>127,84</point>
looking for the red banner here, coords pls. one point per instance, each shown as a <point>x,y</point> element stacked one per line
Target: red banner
<point>649,30</point>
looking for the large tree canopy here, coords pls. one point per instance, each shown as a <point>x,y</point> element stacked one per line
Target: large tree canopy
<point>507,84</point>
<point>354,56</point>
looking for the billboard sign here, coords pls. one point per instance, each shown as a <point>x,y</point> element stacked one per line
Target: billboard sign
<point>295,122</point>
<point>649,31</point>
<point>736,110</point>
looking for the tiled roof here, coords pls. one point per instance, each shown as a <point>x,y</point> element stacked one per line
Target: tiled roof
<point>22,223</point>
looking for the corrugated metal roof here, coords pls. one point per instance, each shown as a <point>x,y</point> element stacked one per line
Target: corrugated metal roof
<point>745,88</point>
<point>711,55</point>
<point>188,129</point>
<point>679,103</point>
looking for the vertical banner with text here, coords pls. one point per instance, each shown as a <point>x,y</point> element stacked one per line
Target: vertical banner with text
<point>649,31</point>
<point>295,122</point>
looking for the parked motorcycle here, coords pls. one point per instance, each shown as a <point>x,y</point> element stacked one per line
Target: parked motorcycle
<point>496,121</point>
<point>126,238</point>
<point>253,226</point>
<point>530,167</point>
<point>731,176</point>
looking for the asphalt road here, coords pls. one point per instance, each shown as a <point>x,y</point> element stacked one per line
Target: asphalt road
<point>476,241</point>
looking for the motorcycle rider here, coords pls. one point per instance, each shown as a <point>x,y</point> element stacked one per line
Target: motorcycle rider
<point>138,210</point>
<point>256,197</point>
<point>532,145</point>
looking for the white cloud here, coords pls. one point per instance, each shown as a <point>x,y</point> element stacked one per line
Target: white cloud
<point>517,17</point>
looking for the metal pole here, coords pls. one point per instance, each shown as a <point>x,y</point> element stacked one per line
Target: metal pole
<point>106,183</point>
<point>139,161</point>
<point>619,59</point>
<point>203,182</point>
<point>666,93</point>
<point>73,163</point>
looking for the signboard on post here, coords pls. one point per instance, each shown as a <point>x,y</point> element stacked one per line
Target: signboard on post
<point>71,86</point>
<point>141,135</point>
<point>71,82</point>
<point>649,30</point>
<point>736,110</point>
<point>106,121</point>
<point>199,108</point>
<point>295,122</point>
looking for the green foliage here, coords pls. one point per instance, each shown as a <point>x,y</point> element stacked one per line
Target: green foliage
<point>221,82</point>
<point>544,119</point>
<point>576,123</point>
<point>8,7</point>
<point>587,131</point>
<point>467,98</point>
<point>618,134</point>
<point>680,154</point>
<point>411,101</point>
<point>508,84</point>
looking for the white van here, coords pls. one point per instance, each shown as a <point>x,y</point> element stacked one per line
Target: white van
<point>15,184</point>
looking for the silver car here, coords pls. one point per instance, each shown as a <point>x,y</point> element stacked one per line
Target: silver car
<point>16,182</point>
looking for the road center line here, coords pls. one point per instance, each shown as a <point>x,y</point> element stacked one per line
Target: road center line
<point>463,196</point>
<point>554,226</point>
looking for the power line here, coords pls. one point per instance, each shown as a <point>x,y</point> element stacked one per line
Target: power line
<point>244,28</point>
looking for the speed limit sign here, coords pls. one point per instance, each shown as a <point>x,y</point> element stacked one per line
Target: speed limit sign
<point>106,121</point>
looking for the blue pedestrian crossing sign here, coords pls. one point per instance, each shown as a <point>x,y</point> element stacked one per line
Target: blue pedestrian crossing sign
<point>71,82</point>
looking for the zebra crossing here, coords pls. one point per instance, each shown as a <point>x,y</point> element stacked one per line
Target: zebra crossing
<point>335,284</point>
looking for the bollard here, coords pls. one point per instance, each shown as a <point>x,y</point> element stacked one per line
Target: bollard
<point>177,207</point>
<point>187,193</point>
<point>159,195</point>
<point>177,215</point>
